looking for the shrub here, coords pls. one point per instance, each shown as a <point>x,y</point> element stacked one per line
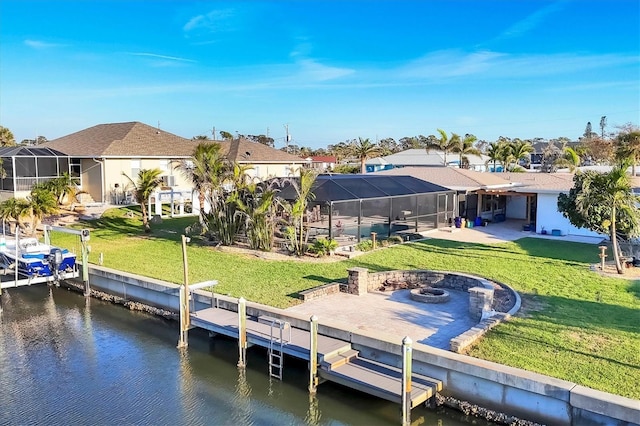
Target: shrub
<point>395,239</point>
<point>323,246</point>
<point>364,245</point>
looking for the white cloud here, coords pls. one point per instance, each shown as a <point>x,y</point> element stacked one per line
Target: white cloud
<point>532,21</point>
<point>310,69</point>
<point>38,44</point>
<point>214,21</point>
<point>165,59</point>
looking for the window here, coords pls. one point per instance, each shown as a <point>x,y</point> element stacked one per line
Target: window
<point>135,169</point>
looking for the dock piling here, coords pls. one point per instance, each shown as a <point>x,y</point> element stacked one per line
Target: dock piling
<point>313,355</point>
<point>242,332</point>
<point>406,380</point>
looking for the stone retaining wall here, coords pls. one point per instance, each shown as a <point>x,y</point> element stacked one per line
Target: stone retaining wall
<point>318,292</point>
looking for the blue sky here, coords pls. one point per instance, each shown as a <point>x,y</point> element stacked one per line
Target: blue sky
<point>330,70</point>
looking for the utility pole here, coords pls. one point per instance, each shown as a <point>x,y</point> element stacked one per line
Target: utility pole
<point>213,133</point>
<point>287,138</point>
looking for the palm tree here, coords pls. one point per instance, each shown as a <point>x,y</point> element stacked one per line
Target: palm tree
<point>520,150</point>
<point>15,209</point>
<point>443,144</point>
<point>204,171</point>
<point>465,147</point>
<point>628,146</point>
<point>148,181</point>
<point>363,149</point>
<point>494,154</point>
<point>298,209</point>
<point>258,206</point>
<point>613,191</point>
<point>64,187</point>
<point>569,159</point>
<point>6,137</point>
<point>40,203</point>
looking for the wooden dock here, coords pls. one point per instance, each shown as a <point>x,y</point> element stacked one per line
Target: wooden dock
<point>338,361</point>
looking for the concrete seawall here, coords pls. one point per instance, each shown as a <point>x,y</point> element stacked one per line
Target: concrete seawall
<point>514,391</point>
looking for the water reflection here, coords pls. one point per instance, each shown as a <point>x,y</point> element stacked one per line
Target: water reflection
<point>66,360</point>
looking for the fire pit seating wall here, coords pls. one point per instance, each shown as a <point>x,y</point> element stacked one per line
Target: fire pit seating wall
<point>480,290</point>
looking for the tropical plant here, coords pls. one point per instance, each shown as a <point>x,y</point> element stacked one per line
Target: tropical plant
<point>224,221</point>
<point>15,209</point>
<point>6,137</point>
<point>41,202</point>
<point>494,153</point>
<point>605,203</point>
<point>204,170</point>
<point>628,146</point>
<point>148,180</point>
<point>64,187</point>
<point>520,150</point>
<point>465,147</point>
<point>443,144</point>
<point>259,207</point>
<point>296,211</point>
<point>363,149</point>
<point>323,246</point>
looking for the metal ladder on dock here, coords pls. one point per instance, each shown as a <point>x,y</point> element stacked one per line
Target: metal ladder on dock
<point>276,343</point>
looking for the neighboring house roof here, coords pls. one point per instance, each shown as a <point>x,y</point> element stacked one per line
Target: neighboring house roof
<point>132,139</point>
<point>338,187</point>
<point>323,159</point>
<point>452,177</point>
<point>420,157</point>
<point>29,151</point>
<point>245,151</point>
<point>541,182</point>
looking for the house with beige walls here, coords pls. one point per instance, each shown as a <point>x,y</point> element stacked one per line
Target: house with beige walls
<point>102,155</point>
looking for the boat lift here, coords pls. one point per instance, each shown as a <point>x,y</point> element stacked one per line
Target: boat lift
<point>56,277</point>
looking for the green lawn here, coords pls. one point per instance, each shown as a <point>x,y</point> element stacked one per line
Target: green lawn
<point>574,325</point>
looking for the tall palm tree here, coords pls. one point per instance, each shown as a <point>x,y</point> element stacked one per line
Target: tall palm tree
<point>494,154</point>
<point>204,170</point>
<point>613,192</point>
<point>465,147</point>
<point>363,149</point>
<point>520,150</point>
<point>443,144</point>
<point>628,146</point>
<point>148,180</point>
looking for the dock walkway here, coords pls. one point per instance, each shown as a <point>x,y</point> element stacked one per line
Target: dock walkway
<point>338,361</point>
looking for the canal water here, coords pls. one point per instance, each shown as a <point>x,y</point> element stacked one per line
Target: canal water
<point>67,360</point>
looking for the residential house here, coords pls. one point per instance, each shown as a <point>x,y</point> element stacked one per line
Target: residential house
<point>420,157</point>
<point>102,155</point>
<point>321,163</point>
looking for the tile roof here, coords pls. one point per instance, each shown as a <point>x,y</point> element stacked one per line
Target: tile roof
<point>452,177</point>
<point>541,182</point>
<point>132,139</point>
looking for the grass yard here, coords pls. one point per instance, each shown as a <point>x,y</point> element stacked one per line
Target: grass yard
<point>574,324</point>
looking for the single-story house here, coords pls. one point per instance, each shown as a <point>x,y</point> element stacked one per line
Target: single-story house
<point>420,157</point>
<point>528,197</point>
<point>101,154</point>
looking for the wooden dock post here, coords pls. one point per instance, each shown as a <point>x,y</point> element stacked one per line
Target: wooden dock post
<point>185,316</point>
<point>313,354</point>
<point>242,332</point>
<point>406,381</point>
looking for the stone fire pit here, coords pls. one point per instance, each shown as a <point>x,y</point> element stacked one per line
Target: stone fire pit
<point>430,295</point>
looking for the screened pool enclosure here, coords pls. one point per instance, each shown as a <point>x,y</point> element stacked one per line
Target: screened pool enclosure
<point>351,207</point>
<point>27,166</point>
